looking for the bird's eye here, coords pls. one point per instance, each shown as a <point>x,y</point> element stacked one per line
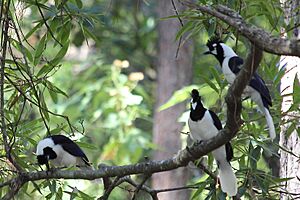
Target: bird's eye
<point>214,45</point>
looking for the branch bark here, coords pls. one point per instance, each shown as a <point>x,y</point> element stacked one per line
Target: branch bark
<point>263,39</point>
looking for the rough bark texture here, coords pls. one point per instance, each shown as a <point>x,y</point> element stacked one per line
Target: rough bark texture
<point>172,74</point>
<point>289,163</point>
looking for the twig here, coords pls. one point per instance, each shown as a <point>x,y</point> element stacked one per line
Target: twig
<point>139,186</point>
<point>45,22</point>
<point>207,171</point>
<point>107,192</point>
<point>181,23</point>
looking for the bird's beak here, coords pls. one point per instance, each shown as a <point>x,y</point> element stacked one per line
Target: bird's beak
<point>207,53</point>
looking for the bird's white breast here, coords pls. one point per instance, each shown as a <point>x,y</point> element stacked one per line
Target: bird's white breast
<point>229,75</point>
<point>203,129</point>
<point>63,157</point>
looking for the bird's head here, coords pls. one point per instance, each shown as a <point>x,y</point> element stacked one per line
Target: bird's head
<point>45,152</point>
<point>219,49</point>
<point>214,46</point>
<point>196,99</point>
<point>48,154</point>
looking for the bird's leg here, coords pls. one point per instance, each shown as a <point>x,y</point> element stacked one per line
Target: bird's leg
<point>48,167</point>
<point>198,142</point>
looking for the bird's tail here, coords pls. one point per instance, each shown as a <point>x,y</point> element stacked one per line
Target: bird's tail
<point>270,123</point>
<point>227,179</point>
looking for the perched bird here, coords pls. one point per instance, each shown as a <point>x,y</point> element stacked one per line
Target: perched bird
<point>231,65</point>
<point>205,124</point>
<point>61,151</point>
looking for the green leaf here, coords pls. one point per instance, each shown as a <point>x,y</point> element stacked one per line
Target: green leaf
<point>87,33</point>
<point>39,50</point>
<point>178,97</point>
<point>36,187</point>
<point>52,186</point>
<point>57,130</point>
<point>59,194</point>
<point>254,157</point>
<point>210,83</point>
<point>86,145</point>
<point>212,27</point>
<point>23,50</point>
<point>34,29</point>
<point>186,27</point>
<point>60,55</point>
<point>217,76</point>
<point>79,3</point>
<point>44,106</point>
<point>290,130</point>
<point>55,89</point>
<point>200,189</point>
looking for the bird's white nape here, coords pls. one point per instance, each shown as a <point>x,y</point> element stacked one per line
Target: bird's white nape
<point>47,142</point>
<point>228,52</point>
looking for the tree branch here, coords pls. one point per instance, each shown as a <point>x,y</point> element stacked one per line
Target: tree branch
<point>263,39</point>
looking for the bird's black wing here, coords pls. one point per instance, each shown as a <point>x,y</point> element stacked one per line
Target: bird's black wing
<point>235,64</point>
<point>256,81</point>
<point>216,120</point>
<point>229,151</point>
<point>218,124</point>
<point>259,85</point>
<point>69,146</point>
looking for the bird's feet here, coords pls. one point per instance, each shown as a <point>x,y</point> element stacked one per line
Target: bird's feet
<point>198,142</point>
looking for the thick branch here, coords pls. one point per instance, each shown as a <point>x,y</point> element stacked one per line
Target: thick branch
<point>233,100</point>
<point>263,39</point>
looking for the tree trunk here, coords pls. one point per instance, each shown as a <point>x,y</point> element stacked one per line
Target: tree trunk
<point>289,164</point>
<point>172,74</point>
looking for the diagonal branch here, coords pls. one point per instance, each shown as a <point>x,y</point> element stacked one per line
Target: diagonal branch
<point>263,39</point>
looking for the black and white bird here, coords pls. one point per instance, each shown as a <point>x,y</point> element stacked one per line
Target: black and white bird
<point>61,151</point>
<point>205,124</point>
<point>231,65</point>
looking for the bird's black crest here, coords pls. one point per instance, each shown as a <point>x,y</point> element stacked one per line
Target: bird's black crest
<point>195,95</point>
<point>213,40</point>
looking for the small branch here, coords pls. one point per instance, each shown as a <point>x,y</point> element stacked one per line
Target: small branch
<point>107,192</point>
<point>207,171</point>
<point>181,23</point>
<point>45,22</point>
<point>139,186</point>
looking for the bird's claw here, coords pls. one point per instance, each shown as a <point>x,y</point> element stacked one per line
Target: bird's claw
<point>198,142</point>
